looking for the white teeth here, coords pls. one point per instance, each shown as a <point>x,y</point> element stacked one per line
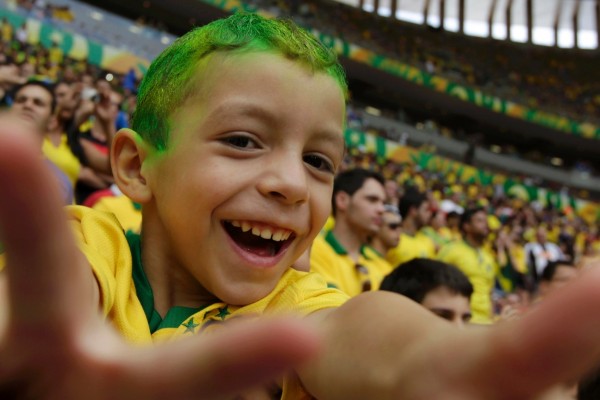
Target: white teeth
<point>277,235</point>
<point>245,227</point>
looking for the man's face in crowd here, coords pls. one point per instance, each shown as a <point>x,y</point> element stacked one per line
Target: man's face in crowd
<point>33,104</point>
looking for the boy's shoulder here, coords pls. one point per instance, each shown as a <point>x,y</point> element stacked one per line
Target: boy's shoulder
<point>98,230</point>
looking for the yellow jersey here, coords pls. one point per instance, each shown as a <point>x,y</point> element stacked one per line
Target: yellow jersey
<point>480,267</point>
<point>127,212</point>
<point>128,302</point>
<point>329,258</point>
<point>409,247</point>
<point>63,158</point>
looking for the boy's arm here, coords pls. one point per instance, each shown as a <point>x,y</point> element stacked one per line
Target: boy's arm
<point>54,342</point>
<point>383,346</point>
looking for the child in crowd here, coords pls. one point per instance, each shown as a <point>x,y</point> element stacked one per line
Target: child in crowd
<point>236,140</point>
<point>439,287</point>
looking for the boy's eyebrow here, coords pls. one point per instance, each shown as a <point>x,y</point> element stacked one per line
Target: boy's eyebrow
<point>245,108</point>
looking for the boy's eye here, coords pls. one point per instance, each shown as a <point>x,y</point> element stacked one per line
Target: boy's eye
<point>319,163</point>
<point>243,142</point>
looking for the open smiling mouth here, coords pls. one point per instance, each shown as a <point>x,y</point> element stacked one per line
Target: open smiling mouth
<point>261,241</point>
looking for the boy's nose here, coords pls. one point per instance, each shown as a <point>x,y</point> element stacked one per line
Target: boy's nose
<point>285,180</point>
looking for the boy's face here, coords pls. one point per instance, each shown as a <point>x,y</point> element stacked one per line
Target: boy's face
<point>449,305</point>
<point>252,154</point>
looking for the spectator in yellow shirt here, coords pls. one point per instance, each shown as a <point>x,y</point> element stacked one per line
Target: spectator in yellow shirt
<point>342,255</point>
<point>388,235</point>
<point>416,213</point>
<point>470,256</point>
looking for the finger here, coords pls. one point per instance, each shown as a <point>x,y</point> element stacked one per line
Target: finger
<point>44,276</point>
<point>226,362</point>
<point>557,342</point>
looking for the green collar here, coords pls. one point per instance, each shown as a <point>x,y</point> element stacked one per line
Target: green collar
<point>338,248</point>
<point>176,315</point>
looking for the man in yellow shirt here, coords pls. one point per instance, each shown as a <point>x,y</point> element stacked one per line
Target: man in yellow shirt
<point>415,211</point>
<point>388,235</point>
<point>341,255</point>
<point>470,256</point>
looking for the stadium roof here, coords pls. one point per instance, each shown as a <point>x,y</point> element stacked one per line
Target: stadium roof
<point>544,18</point>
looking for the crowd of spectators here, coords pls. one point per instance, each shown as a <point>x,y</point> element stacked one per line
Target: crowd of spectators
<point>44,10</point>
<point>578,236</point>
<point>560,81</point>
<point>51,64</point>
<point>438,53</point>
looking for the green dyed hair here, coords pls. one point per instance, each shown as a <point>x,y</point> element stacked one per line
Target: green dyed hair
<point>169,80</point>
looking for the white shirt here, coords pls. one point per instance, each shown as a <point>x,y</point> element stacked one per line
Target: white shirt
<point>542,255</point>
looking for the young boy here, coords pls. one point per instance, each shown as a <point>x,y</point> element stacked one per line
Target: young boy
<point>239,129</point>
<point>439,287</point>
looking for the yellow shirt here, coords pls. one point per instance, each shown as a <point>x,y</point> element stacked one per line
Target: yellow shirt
<point>55,54</point>
<point>329,224</point>
<point>126,211</point>
<point>7,32</point>
<point>479,266</point>
<point>409,247</point>
<point>446,234</point>
<point>507,277</point>
<point>329,258</point>
<point>63,158</point>
<point>127,298</point>
<point>378,262</point>
<point>437,237</point>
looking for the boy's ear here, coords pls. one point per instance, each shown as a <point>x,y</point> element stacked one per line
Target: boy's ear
<point>128,152</point>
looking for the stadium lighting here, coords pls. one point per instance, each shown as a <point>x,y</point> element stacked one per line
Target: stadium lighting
<point>373,111</point>
<point>476,24</point>
<point>165,40</point>
<point>109,77</point>
<point>97,16</point>
<point>556,161</point>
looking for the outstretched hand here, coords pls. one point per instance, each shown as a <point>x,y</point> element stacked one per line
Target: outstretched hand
<point>55,344</point>
<point>401,351</point>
